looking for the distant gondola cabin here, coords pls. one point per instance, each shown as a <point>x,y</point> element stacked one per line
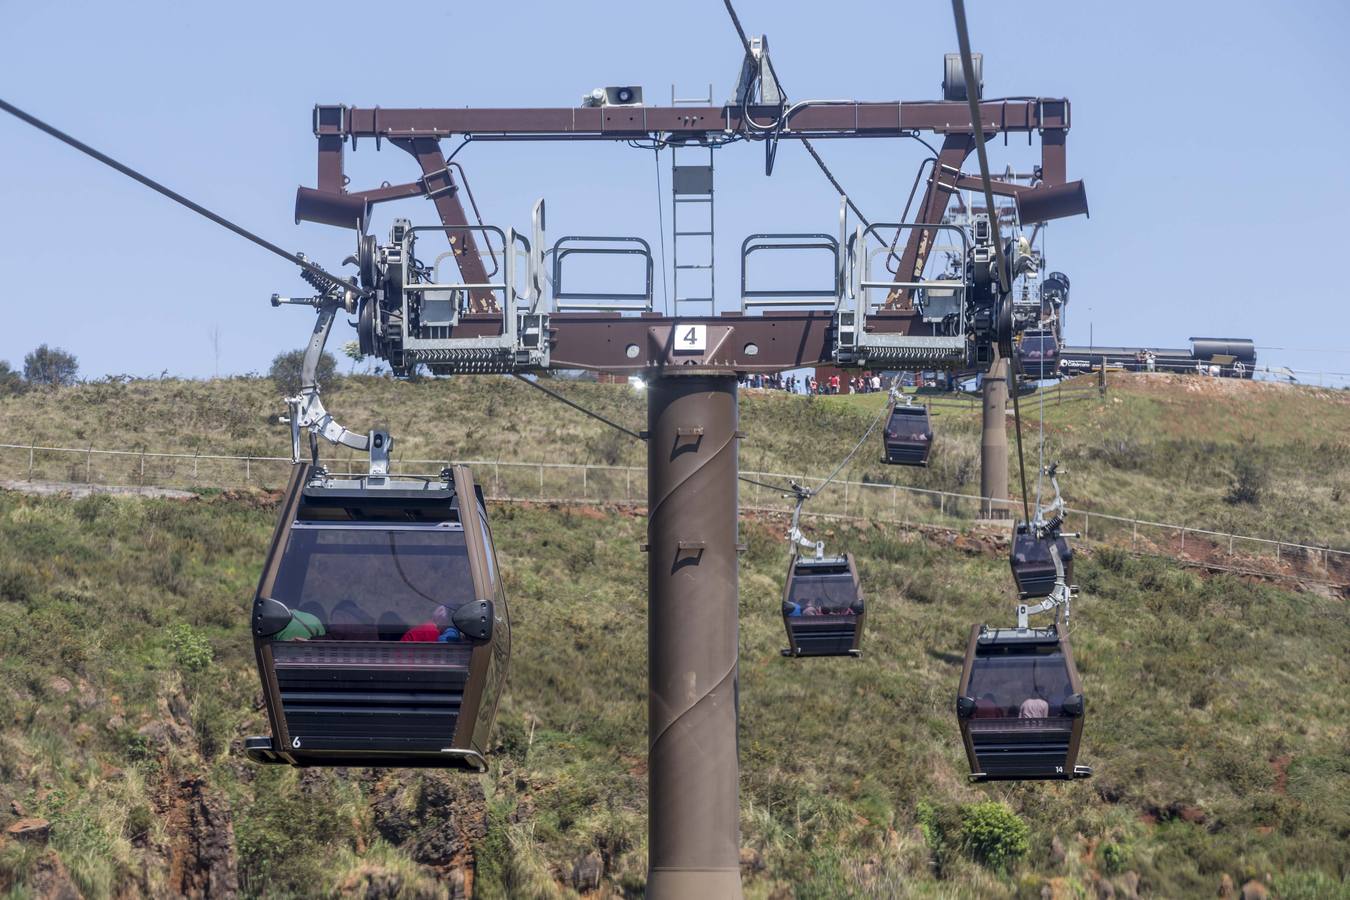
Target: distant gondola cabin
<point>823,608</point>
<point>908,437</point>
<point>1033,567</point>
<point>1038,353</point>
<point>380,624</point>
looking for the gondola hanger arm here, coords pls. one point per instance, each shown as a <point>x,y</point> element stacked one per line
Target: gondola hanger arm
<point>307,411</point>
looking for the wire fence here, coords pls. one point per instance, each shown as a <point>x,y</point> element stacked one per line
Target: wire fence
<point>591,483</point>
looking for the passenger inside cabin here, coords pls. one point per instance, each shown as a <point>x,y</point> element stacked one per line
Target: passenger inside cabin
<point>1035,707</point>
<point>435,629</point>
<point>303,626</point>
<point>987,708</point>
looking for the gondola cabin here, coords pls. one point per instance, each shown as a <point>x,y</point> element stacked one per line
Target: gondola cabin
<point>823,609</point>
<point>1033,567</point>
<point>1038,353</point>
<point>380,624</point>
<point>1020,705</point>
<point>908,436</point>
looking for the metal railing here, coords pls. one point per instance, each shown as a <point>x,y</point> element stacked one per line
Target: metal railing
<point>627,486</point>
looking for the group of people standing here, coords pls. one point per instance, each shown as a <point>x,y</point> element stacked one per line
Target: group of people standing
<point>866,383</point>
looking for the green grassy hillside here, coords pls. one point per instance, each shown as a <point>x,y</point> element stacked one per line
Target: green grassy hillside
<point>1217,707</point>
<point>1169,448</point>
<point>1217,726</point>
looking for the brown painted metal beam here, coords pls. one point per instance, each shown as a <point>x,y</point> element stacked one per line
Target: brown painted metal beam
<point>439,184</point>
<point>955,149</point>
<point>633,345</point>
<point>889,119</point>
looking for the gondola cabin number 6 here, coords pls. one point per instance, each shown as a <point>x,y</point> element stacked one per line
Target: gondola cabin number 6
<point>691,338</point>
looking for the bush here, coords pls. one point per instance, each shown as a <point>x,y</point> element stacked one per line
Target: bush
<point>993,834</point>
<point>190,648</point>
<point>1249,480</point>
<point>50,366</point>
<point>1113,859</point>
<point>11,382</point>
<point>286,369</point>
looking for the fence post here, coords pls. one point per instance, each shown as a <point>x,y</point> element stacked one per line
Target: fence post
<point>628,483</point>
<point>1230,545</point>
<point>1183,539</point>
<point>195,457</point>
<point>1134,538</point>
<point>497,477</point>
<point>88,463</point>
<point>541,481</point>
<point>142,467</point>
<point>31,445</point>
<point>942,506</point>
<point>248,470</point>
<point>584,490</point>
<point>845,498</point>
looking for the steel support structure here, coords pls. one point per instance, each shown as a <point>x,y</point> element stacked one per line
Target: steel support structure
<point>419,130</point>
<point>994,439</point>
<point>692,414</point>
<point>693,825</point>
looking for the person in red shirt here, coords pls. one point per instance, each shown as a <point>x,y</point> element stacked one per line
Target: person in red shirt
<point>429,631</point>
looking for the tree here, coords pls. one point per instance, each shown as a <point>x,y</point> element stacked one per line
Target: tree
<point>286,368</point>
<point>11,382</point>
<point>352,350</point>
<point>50,366</point>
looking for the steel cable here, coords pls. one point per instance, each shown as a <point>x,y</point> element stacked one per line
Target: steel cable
<point>578,407</point>
<point>173,195</point>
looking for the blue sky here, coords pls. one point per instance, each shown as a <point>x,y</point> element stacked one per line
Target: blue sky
<point>1209,136</point>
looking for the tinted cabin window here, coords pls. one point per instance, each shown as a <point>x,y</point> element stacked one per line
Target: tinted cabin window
<point>815,594</point>
<point>1028,549</point>
<point>908,426</point>
<point>1003,679</point>
<point>1038,346</point>
<point>373,583</point>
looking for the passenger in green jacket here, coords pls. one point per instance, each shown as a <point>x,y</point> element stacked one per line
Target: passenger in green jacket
<point>302,627</point>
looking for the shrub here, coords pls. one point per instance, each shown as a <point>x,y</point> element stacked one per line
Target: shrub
<point>1249,480</point>
<point>191,650</point>
<point>1113,859</point>
<point>50,366</point>
<point>286,369</point>
<point>993,834</point>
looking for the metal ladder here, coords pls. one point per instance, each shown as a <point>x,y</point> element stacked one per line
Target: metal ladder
<point>692,184</point>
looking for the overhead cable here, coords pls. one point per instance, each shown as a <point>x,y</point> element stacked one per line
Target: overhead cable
<point>578,407</point>
<point>173,195</point>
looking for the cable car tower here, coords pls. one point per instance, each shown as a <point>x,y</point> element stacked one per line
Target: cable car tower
<point>494,300</point>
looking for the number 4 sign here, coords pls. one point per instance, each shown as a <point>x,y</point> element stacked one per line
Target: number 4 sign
<point>691,338</point>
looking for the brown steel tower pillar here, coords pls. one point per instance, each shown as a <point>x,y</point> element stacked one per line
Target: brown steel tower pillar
<point>692,641</point>
<point>994,440</point>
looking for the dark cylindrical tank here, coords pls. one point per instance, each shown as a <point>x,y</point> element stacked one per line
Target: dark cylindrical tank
<point>1208,348</point>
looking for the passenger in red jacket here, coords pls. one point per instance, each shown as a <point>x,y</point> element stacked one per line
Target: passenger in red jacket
<point>429,631</point>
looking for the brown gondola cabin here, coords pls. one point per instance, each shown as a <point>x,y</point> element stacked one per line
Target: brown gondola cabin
<point>908,437</point>
<point>1020,705</point>
<point>380,624</point>
<point>1033,566</point>
<point>823,609</point>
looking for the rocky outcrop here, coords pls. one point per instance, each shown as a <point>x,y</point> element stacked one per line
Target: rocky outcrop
<point>49,880</point>
<point>31,830</point>
<point>438,820</point>
<point>587,872</point>
<point>200,856</point>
